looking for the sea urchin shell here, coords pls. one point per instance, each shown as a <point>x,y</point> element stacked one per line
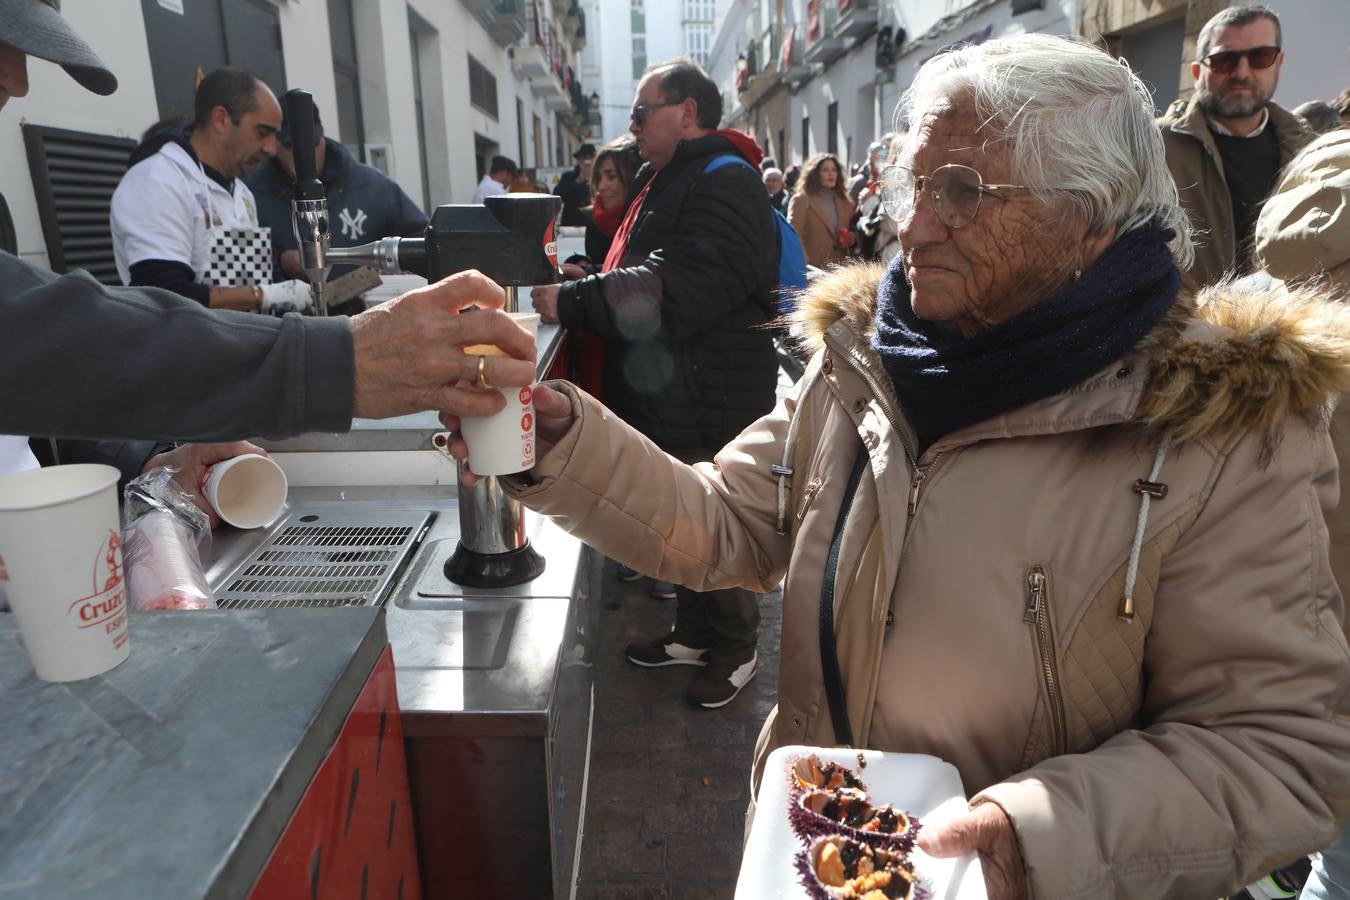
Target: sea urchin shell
<point>839,868</point>
<point>807,772</point>
<point>848,812</point>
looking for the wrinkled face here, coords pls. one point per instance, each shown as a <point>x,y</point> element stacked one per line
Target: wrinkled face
<point>13,73</point>
<point>829,174</point>
<point>663,123</point>
<point>609,187</point>
<point>1244,91</point>
<point>243,146</point>
<point>1014,253</point>
<point>773,183</point>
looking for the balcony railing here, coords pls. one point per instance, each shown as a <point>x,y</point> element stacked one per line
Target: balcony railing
<point>505,20</point>
<point>857,18</point>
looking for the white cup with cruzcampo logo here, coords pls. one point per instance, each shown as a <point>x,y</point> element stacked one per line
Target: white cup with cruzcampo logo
<point>61,567</point>
<point>503,443</point>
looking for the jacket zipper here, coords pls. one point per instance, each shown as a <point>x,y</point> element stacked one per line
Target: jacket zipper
<point>808,494</point>
<point>921,474</point>
<point>901,427</point>
<point>1037,614</point>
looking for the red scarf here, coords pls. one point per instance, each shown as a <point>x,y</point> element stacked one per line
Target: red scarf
<point>606,220</point>
<point>620,245</point>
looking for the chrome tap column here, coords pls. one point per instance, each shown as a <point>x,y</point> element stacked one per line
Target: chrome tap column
<point>510,238</point>
<point>309,208</point>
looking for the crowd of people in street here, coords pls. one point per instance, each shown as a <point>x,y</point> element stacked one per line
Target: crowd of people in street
<point>1055,500</point>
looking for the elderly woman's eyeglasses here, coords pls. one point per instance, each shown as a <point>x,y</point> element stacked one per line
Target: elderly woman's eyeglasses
<point>640,111</point>
<point>954,190</point>
<point>1225,61</point>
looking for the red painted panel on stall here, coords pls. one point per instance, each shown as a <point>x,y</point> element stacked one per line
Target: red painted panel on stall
<point>352,835</point>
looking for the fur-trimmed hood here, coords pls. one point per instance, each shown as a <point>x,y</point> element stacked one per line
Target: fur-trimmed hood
<point>1234,358</point>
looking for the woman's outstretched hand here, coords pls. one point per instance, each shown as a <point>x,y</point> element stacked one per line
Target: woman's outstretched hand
<point>985,830</point>
<point>552,417</point>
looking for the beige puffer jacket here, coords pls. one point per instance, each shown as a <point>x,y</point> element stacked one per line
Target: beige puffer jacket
<point>1193,158</point>
<point>1304,228</point>
<point>1303,233</point>
<point>1179,753</point>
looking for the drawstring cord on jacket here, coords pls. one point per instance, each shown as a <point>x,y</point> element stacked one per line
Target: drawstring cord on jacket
<point>1148,489</point>
<point>784,470</point>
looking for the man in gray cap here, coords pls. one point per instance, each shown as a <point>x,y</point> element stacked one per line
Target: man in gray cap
<point>145,363</point>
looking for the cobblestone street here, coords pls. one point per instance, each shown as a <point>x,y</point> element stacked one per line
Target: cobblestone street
<point>669,782</point>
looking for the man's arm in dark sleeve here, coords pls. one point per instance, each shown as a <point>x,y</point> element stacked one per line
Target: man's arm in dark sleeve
<point>724,250</point>
<point>85,360</point>
<point>172,276</point>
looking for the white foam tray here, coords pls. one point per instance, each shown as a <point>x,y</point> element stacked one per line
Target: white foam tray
<point>923,785</point>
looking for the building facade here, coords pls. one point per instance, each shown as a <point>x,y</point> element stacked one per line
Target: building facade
<point>635,34</point>
<point>425,90</point>
<point>811,76</point>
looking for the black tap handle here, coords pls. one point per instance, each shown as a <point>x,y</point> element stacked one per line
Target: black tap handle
<point>300,122</point>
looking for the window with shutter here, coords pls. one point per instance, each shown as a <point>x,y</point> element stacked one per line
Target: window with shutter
<point>74,176</point>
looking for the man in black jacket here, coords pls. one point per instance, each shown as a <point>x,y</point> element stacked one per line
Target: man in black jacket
<point>680,305</point>
<point>574,187</point>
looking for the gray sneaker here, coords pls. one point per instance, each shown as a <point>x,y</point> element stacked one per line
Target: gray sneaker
<point>662,590</point>
<point>722,678</point>
<point>666,651</point>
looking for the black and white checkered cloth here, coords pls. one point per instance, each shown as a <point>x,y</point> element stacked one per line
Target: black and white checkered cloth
<point>240,257</point>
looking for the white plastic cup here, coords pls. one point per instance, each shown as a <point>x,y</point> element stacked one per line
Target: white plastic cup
<point>247,491</point>
<point>61,565</point>
<point>503,443</point>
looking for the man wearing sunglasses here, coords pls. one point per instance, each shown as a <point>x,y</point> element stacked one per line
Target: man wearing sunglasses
<point>1227,145</point>
<point>681,306</point>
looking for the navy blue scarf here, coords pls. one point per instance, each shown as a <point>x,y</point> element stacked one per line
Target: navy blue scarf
<point>945,382</point>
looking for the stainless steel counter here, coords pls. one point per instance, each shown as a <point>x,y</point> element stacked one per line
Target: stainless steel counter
<point>174,774</point>
<point>494,684</point>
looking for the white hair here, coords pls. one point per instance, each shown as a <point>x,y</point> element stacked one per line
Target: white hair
<point>1078,124</point>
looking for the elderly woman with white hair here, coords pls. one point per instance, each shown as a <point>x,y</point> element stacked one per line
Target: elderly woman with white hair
<point>1063,526</point>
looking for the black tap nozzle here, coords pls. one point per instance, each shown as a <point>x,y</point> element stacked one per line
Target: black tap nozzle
<point>300,123</point>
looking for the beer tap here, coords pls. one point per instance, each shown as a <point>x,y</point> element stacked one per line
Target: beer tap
<point>509,238</point>
<point>309,208</point>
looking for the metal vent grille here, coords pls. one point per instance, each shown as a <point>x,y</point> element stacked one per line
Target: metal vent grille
<point>74,175</point>
<point>326,560</point>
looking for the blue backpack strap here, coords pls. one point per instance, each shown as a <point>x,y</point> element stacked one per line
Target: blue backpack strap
<point>726,160</point>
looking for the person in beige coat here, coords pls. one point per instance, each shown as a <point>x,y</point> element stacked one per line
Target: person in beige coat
<point>1084,558</point>
<point>1303,236</point>
<point>821,212</point>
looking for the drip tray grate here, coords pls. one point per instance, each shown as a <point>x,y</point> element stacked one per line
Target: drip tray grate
<point>326,560</point>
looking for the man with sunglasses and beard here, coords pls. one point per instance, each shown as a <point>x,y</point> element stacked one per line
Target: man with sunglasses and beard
<point>1227,145</point>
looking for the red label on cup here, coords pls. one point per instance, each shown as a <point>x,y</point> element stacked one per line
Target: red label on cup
<point>551,245</point>
<point>526,422</point>
<point>525,395</point>
<point>107,604</point>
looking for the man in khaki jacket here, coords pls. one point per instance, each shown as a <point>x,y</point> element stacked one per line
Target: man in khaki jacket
<point>1227,145</point>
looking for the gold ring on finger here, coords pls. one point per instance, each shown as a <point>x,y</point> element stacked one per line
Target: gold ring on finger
<point>482,374</point>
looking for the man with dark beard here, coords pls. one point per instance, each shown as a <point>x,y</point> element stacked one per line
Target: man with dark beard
<point>1227,145</point>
